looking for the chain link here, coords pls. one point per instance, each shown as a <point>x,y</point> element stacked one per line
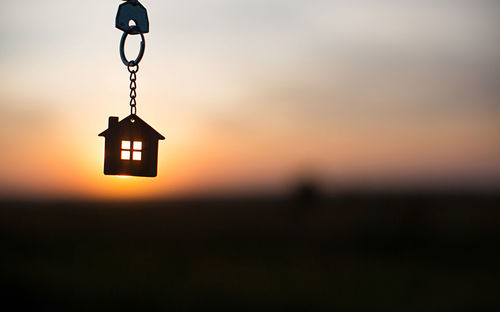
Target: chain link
<point>133,68</point>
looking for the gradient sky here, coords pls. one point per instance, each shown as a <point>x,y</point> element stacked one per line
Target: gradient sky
<point>251,94</point>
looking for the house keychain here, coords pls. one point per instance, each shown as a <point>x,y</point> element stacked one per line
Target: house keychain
<point>131,145</point>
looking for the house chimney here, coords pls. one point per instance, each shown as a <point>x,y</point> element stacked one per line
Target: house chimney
<point>112,122</point>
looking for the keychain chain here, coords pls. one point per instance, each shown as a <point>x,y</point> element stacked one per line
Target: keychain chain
<point>132,65</point>
<point>133,69</point>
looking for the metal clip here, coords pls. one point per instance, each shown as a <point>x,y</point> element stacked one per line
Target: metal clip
<point>132,10</point>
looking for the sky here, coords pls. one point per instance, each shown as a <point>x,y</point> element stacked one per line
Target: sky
<point>251,95</point>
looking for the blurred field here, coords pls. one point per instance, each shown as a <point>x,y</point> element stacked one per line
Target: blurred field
<point>344,253</point>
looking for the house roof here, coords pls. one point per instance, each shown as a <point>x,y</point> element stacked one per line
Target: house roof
<point>135,122</point>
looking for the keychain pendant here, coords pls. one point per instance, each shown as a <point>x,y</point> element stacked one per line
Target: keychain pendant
<point>131,147</point>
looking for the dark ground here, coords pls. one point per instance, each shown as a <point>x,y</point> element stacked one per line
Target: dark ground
<point>345,253</point>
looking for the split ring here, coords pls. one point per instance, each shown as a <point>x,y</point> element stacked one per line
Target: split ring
<point>141,51</point>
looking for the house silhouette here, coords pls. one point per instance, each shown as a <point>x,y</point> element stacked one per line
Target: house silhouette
<point>131,147</point>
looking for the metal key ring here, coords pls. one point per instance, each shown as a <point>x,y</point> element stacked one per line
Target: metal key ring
<point>141,51</point>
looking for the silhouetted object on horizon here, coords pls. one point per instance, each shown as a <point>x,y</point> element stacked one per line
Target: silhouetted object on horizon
<point>306,192</point>
<point>131,147</point>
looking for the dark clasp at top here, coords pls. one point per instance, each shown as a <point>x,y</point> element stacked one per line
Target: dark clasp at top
<point>132,10</point>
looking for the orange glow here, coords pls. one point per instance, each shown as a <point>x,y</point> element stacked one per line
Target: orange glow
<point>126,145</point>
<point>233,160</point>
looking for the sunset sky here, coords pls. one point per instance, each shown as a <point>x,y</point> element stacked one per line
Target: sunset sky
<point>252,94</point>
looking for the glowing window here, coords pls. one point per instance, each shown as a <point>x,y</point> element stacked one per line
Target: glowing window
<point>137,145</point>
<point>136,155</point>
<point>126,155</point>
<point>135,151</point>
